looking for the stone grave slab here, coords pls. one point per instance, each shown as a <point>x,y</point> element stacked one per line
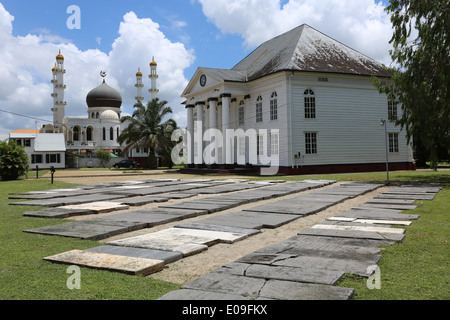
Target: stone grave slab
<point>288,290</point>
<point>389,222</point>
<point>391,201</point>
<point>251,219</point>
<point>141,200</point>
<point>352,234</point>
<point>215,227</point>
<point>227,283</point>
<point>389,206</point>
<point>98,207</point>
<point>64,201</point>
<point>188,294</point>
<point>310,275</point>
<point>214,236</point>
<point>128,265</point>
<point>147,219</point>
<point>186,245</point>
<point>209,207</point>
<point>343,241</point>
<point>166,256</point>
<point>311,245</point>
<point>87,230</point>
<point>344,225</point>
<point>406,196</point>
<point>310,262</point>
<point>377,214</point>
<point>184,213</point>
<point>58,213</point>
<point>178,195</point>
<point>290,207</point>
<point>320,197</point>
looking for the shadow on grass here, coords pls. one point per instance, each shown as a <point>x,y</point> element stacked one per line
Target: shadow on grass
<point>435,177</point>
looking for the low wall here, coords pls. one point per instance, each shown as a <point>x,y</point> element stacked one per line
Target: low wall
<point>95,163</point>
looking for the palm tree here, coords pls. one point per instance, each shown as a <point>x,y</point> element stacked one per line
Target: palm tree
<point>146,128</point>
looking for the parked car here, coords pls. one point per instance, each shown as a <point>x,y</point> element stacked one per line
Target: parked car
<point>129,163</point>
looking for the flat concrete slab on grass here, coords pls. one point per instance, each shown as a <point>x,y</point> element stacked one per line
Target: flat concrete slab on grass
<point>118,263</point>
<point>282,273</point>
<point>166,256</point>
<point>227,283</point>
<point>290,207</point>
<point>424,196</point>
<point>188,294</point>
<point>209,206</point>
<point>377,214</point>
<point>88,230</point>
<point>58,213</point>
<point>389,206</point>
<point>185,245</point>
<point>98,207</point>
<point>352,234</point>
<point>251,219</point>
<point>289,290</point>
<point>215,227</point>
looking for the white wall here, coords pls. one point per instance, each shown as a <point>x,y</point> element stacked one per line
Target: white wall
<point>348,114</point>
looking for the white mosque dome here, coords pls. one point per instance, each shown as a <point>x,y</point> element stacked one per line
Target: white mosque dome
<point>109,115</point>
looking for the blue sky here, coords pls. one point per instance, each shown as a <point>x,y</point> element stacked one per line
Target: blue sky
<point>121,36</point>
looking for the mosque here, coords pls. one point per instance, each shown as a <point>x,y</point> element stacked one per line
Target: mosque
<point>84,136</point>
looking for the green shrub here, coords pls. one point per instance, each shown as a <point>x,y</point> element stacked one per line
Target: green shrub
<point>104,157</point>
<point>13,160</point>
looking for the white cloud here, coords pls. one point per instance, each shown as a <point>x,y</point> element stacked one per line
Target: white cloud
<point>360,24</point>
<point>25,86</point>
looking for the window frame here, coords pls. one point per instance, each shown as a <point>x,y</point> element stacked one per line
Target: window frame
<point>309,101</point>
<point>259,110</point>
<point>311,143</point>
<point>393,142</point>
<point>274,106</point>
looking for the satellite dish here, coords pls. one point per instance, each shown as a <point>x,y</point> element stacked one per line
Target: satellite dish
<point>102,74</point>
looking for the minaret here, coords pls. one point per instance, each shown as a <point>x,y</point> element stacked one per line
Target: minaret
<point>58,91</point>
<point>153,76</point>
<point>139,85</point>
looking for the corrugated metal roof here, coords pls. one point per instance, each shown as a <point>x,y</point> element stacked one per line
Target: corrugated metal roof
<point>306,49</point>
<point>50,142</point>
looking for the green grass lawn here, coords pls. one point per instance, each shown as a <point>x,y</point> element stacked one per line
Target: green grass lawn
<point>416,269</point>
<point>24,275</point>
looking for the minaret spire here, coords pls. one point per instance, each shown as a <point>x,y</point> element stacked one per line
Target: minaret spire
<point>153,76</point>
<point>139,85</point>
<point>58,91</point>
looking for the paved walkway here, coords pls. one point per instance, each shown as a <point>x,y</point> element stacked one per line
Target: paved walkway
<point>306,266</point>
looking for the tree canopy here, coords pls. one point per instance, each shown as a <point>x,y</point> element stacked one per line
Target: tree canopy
<point>421,78</point>
<point>148,129</point>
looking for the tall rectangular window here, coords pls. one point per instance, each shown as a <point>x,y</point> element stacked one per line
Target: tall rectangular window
<point>393,142</point>
<point>310,104</point>
<point>241,116</point>
<point>392,109</point>
<point>274,144</point>
<point>259,114</point>
<point>310,142</point>
<point>273,107</point>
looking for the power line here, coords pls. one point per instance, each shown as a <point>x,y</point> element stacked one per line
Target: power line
<point>22,115</point>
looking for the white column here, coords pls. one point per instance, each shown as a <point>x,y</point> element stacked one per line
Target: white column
<point>226,151</point>
<point>199,133</point>
<point>213,125</point>
<point>190,134</point>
